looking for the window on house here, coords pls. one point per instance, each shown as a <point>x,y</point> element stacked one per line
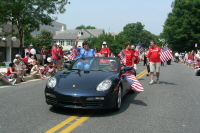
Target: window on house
<point>61,42</point>
<point>70,42</point>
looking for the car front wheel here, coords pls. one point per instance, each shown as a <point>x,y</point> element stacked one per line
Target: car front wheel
<point>118,99</point>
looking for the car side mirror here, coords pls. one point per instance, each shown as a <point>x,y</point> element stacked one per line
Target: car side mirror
<point>127,68</point>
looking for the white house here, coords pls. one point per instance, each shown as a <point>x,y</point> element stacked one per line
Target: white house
<point>66,38</point>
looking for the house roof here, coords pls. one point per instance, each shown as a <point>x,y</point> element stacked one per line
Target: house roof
<point>72,34</point>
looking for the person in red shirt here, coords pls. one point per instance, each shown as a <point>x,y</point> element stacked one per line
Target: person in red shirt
<point>154,60</point>
<point>49,51</point>
<point>11,71</point>
<point>136,56</point>
<point>43,53</point>
<point>60,59</point>
<point>129,55</point>
<point>55,55</point>
<point>105,50</point>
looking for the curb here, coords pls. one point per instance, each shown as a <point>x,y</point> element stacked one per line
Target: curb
<point>27,78</point>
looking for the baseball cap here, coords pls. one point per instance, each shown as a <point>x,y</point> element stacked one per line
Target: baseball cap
<point>104,42</point>
<point>132,47</point>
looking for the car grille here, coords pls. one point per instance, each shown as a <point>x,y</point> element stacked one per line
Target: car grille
<point>83,103</point>
<point>71,101</point>
<point>51,100</point>
<point>94,103</point>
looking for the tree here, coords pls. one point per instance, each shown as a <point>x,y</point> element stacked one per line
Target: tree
<point>85,27</point>
<point>132,31</point>
<point>44,38</point>
<point>182,27</point>
<point>145,37</point>
<point>28,15</point>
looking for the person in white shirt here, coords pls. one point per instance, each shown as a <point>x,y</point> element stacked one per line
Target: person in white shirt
<point>176,57</point>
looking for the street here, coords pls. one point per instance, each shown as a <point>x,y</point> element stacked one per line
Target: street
<point>170,106</point>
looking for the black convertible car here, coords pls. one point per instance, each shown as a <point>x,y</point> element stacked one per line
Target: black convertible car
<point>89,83</point>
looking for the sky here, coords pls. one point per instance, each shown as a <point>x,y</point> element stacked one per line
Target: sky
<point>113,15</point>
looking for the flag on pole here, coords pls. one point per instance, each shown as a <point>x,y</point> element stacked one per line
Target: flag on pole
<point>122,56</point>
<point>139,47</point>
<point>134,83</point>
<point>165,54</point>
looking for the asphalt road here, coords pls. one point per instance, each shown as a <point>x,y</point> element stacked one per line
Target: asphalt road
<point>171,106</point>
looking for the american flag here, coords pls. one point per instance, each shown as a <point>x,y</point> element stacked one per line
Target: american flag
<point>72,54</point>
<point>133,81</point>
<point>122,56</point>
<point>165,54</point>
<point>139,47</point>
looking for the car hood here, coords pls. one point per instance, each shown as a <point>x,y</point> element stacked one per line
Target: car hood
<point>84,80</point>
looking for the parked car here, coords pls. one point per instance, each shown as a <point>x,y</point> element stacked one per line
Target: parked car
<point>88,83</point>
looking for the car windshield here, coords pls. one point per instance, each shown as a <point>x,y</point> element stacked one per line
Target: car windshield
<point>96,64</point>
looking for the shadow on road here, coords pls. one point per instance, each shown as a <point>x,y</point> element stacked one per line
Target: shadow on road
<point>126,101</point>
<point>162,82</point>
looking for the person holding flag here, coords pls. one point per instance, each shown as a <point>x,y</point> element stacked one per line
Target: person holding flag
<point>136,56</point>
<point>127,55</point>
<point>154,61</point>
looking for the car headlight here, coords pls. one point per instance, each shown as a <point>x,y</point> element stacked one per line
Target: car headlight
<point>104,85</point>
<point>51,83</point>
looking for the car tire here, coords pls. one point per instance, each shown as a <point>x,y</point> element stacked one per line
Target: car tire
<point>118,99</point>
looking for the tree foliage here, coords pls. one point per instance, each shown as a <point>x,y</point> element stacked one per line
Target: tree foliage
<point>44,38</point>
<point>28,15</point>
<point>85,27</point>
<point>182,27</point>
<point>132,31</point>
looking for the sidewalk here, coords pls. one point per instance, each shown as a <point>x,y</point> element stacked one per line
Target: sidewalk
<point>27,78</point>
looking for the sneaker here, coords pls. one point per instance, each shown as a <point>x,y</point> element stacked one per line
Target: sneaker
<point>22,80</point>
<point>13,82</point>
<point>147,74</point>
<point>10,80</point>
<point>44,76</point>
<point>151,82</point>
<point>157,81</point>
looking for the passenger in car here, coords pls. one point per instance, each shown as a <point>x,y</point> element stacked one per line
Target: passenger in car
<point>85,52</point>
<point>113,65</point>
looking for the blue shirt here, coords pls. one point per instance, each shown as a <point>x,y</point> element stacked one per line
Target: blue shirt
<point>82,53</point>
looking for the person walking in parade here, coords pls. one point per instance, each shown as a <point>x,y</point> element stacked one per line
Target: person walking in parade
<point>154,60</point>
<point>129,55</point>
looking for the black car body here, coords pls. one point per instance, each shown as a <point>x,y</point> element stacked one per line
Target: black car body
<point>99,85</point>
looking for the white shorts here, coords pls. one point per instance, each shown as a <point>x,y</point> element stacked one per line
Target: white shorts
<point>39,56</point>
<point>154,66</point>
<point>50,70</point>
<point>44,57</point>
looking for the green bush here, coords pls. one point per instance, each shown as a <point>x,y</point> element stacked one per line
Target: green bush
<point>2,64</point>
